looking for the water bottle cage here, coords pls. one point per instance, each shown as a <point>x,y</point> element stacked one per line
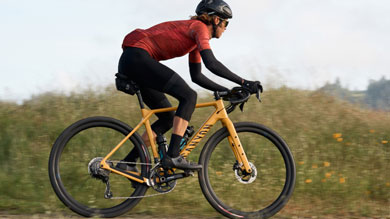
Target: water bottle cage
<point>187,135</point>
<point>162,146</point>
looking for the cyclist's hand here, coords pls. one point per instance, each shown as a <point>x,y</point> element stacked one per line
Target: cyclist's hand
<point>253,86</point>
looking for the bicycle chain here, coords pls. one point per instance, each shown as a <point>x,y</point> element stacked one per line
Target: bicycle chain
<point>143,196</point>
<point>116,161</point>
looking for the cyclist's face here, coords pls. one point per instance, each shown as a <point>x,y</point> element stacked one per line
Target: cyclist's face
<point>221,27</point>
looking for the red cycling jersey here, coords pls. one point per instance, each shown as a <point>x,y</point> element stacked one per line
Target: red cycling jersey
<point>171,39</point>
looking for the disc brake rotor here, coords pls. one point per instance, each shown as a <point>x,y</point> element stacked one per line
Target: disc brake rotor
<point>244,177</point>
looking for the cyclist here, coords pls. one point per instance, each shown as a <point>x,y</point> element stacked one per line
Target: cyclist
<point>142,51</point>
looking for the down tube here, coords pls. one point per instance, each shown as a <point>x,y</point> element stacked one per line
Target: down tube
<point>191,145</point>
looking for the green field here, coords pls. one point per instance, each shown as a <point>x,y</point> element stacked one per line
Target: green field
<point>342,153</point>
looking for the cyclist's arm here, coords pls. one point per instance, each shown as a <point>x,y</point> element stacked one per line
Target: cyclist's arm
<point>200,34</point>
<point>217,67</point>
<point>199,78</point>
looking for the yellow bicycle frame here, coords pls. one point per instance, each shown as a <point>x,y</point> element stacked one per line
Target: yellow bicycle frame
<point>219,114</point>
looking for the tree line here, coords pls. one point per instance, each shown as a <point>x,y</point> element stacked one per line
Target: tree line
<point>376,96</point>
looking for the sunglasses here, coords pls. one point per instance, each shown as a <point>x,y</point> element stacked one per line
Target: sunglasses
<point>226,22</point>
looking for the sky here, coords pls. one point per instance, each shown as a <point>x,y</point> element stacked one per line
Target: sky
<point>73,45</point>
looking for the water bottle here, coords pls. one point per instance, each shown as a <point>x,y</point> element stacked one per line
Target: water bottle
<point>187,134</point>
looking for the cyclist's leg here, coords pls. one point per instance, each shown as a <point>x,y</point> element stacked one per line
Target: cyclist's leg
<point>154,100</point>
<point>187,100</point>
<point>179,89</point>
<point>134,64</point>
<point>147,72</point>
<point>138,65</point>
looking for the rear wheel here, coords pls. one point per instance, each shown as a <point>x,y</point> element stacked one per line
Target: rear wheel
<point>78,151</point>
<point>237,194</point>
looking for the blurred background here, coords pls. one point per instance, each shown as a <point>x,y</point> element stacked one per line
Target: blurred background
<point>65,46</point>
<point>324,66</point>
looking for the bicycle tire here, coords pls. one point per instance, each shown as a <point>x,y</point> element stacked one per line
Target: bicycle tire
<point>65,167</point>
<point>219,182</point>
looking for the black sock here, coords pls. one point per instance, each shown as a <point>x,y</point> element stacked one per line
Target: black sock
<point>132,156</point>
<point>174,145</point>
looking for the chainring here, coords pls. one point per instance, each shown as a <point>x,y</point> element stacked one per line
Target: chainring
<point>158,178</point>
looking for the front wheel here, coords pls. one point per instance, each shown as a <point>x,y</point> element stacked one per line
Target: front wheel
<point>235,194</point>
<point>81,147</point>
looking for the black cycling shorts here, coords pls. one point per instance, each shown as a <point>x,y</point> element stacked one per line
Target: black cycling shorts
<point>155,79</point>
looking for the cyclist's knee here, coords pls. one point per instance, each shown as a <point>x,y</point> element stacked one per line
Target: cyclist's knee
<point>191,97</point>
<point>187,104</point>
<point>185,95</point>
<point>188,99</point>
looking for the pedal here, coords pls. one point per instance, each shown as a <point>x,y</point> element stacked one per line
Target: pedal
<point>190,173</point>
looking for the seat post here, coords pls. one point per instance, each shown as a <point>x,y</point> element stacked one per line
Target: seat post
<point>140,100</point>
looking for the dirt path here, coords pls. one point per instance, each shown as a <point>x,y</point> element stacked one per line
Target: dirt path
<point>45,216</point>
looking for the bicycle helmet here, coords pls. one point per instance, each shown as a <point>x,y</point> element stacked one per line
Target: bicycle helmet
<point>214,7</point>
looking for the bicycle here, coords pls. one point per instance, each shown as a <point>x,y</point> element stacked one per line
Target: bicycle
<point>253,183</point>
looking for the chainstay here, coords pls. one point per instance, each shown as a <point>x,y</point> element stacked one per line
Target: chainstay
<point>126,162</point>
<point>142,196</point>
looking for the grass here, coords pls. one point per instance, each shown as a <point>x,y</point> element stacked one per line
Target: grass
<point>342,153</point>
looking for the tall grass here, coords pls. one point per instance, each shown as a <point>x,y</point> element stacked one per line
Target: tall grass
<point>342,152</point>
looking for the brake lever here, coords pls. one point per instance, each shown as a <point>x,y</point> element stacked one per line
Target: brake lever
<point>258,96</point>
<point>242,106</point>
<point>259,90</point>
<point>230,108</point>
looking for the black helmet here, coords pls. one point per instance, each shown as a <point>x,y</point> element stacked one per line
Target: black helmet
<point>217,7</point>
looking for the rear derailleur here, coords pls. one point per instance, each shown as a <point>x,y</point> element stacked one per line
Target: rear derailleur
<point>99,173</point>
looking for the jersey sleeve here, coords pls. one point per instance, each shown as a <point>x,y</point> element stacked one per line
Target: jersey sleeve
<point>200,34</point>
<point>194,56</point>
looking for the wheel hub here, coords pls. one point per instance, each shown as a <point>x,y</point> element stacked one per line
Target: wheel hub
<point>243,176</point>
<point>96,171</point>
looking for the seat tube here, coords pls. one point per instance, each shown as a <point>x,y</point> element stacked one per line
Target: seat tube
<point>236,145</point>
<point>140,100</point>
<point>148,129</point>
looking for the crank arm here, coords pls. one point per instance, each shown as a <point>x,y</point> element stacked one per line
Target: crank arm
<point>178,176</point>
